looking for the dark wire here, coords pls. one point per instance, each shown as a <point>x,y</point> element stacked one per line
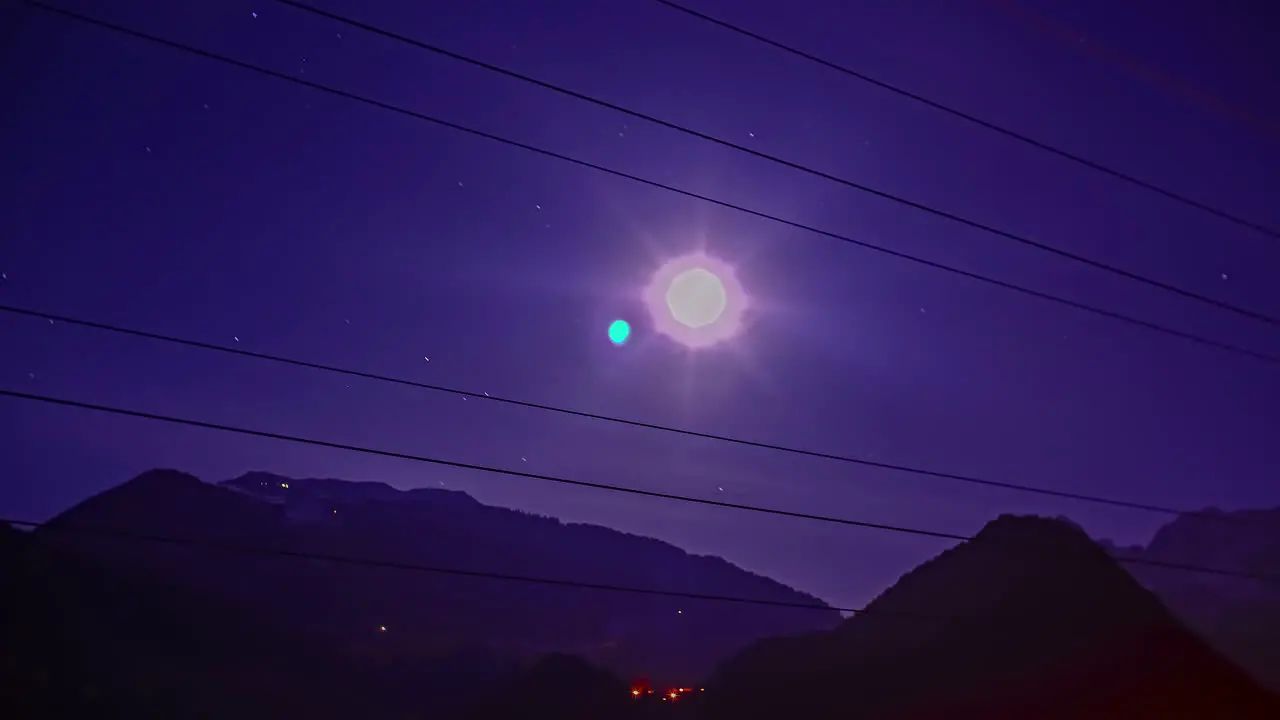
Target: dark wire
<point>531,579</point>
<point>1038,144</point>
<point>938,474</point>
<point>302,363</point>
<point>922,207</point>
<point>295,362</point>
<point>392,565</point>
<point>579,483</point>
<point>1198,339</point>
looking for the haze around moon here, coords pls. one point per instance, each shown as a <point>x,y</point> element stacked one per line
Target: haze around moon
<point>696,300</point>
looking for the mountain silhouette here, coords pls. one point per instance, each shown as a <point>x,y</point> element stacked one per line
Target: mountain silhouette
<point>394,616</point>
<point>80,640</point>
<point>1030,618</point>
<point>1238,616</point>
<point>576,689</point>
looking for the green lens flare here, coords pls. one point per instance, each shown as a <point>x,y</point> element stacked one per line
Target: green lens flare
<point>619,331</point>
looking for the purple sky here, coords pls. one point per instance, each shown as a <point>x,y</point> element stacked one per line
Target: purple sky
<point>154,189</point>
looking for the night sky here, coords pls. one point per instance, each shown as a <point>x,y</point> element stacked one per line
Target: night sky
<point>162,191</point>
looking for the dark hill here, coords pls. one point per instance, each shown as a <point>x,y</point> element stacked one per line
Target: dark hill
<point>1028,619</point>
<point>80,641</point>
<point>1239,616</point>
<point>576,689</point>
<point>396,617</point>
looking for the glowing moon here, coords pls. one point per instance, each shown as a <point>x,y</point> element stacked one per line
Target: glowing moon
<point>696,300</point>
<point>696,297</point>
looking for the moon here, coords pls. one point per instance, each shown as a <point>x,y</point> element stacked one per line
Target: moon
<point>696,300</point>
<point>696,297</point>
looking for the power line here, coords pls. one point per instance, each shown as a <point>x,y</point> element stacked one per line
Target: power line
<point>240,430</point>
<point>297,362</point>
<point>1038,144</point>
<point>916,205</point>
<point>242,549</point>
<point>1192,337</point>
<point>1185,90</point>
<point>771,446</point>
<point>829,456</point>
<point>277,436</point>
<point>413,567</point>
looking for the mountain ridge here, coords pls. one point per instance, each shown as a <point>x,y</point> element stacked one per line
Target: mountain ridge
<point>658,636</point>
<point>376,491</point>
<point>1030,617</point>
<point>986,629</point>
<point>1238,616</point>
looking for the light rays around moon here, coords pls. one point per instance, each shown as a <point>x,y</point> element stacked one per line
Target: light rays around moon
<point>696,300</point>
